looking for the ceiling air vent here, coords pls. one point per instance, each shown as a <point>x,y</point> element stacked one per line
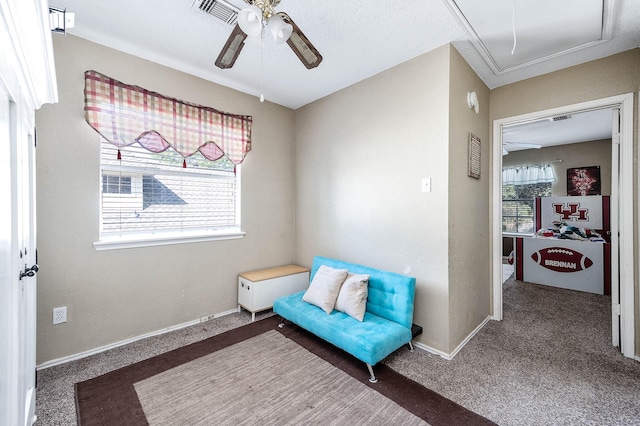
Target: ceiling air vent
<point>222,10</point>
<point>561,117</point>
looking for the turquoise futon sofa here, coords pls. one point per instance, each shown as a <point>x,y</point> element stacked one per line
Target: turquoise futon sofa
<point>386,325</point>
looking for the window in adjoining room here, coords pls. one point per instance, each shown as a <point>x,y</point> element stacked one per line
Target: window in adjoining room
<point>517,206</point>
<point>520,186</point>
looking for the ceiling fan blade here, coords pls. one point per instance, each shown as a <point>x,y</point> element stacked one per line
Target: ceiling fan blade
<point>523,145</point>
<point>231,49</point>
<point>301,46</point>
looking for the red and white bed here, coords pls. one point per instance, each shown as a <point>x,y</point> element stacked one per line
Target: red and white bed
<point>568,260</point>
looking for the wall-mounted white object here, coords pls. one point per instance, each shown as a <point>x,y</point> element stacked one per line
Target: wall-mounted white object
<point>472,101</point>
<point>426,184</point>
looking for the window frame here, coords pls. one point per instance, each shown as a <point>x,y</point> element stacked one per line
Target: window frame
<point>516,217</point>
<point>111,240</point>
<point>106,185</point>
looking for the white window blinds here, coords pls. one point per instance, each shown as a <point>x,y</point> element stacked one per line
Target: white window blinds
<point>146,193</point>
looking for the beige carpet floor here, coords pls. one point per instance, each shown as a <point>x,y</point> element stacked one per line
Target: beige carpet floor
<point>549,362</point>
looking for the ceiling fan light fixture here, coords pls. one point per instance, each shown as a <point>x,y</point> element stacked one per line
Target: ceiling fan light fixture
<point>250,20</point>
<point>280,30</point>
<point>259,15</point>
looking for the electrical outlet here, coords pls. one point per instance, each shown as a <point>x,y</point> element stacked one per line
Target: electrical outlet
<point>207,318</point>
<point>59,315</point>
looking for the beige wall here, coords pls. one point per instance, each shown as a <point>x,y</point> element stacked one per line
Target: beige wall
<point>340,177</point>
<point>361,155</point>
<point>119,294</point>
<point>614,75</point>
<point>594,153</point>
<point>469,206</point>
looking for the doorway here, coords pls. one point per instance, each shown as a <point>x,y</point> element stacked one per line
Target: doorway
<point>621,211</point>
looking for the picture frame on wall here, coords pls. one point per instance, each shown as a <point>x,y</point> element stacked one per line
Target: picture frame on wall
<point>583,181</point>
<point>474,156</point>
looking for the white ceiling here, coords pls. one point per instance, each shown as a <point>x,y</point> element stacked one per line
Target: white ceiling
<point>360,38</point>
<point>566,129</point>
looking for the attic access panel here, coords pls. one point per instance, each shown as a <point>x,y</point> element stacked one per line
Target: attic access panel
<point>543,28</point>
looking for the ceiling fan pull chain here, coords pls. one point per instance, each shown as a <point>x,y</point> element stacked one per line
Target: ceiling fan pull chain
<point>262,65</point>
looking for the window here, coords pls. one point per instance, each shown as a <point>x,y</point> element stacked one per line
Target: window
<point>112,184</point>
<point>147,196</point>
<point>520,186</point>
<point>517,206</point>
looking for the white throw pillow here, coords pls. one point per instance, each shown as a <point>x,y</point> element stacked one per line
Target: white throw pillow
<point>324,288</point>
<point>352,299</point>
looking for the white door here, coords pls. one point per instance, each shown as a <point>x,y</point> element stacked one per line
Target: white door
<point>27,253</point>
<point>17,260</point>
<point>6,283</point>
<point>27,81</point>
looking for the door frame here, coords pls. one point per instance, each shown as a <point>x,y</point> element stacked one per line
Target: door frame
<point>625,205</point>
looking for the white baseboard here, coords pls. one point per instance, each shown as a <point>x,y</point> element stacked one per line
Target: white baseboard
<point>90,352</point>
<point>431,350</point>
<point>450,356</point>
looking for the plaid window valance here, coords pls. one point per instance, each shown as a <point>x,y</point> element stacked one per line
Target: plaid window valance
<point>124,114</point>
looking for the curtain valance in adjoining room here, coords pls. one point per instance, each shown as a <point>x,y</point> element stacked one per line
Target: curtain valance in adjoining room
<point>528,174</point>
<point>124,114</point>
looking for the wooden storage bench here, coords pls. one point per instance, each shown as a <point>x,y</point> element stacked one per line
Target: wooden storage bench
<point>258,289</point>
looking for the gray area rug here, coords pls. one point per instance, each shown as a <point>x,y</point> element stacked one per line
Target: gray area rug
<point>267,379</point>
<point>111,398</point>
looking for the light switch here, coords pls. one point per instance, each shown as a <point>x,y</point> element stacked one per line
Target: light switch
<point>426,184</point>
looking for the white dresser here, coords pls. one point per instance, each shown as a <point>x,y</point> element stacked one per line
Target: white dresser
<point>258,289</point>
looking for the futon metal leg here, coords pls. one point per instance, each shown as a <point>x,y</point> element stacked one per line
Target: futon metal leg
<point>410,346</point>
<point>372,377</point>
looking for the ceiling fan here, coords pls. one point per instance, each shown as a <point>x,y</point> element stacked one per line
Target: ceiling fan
<point>260,16</point>
<point>511,145</point>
